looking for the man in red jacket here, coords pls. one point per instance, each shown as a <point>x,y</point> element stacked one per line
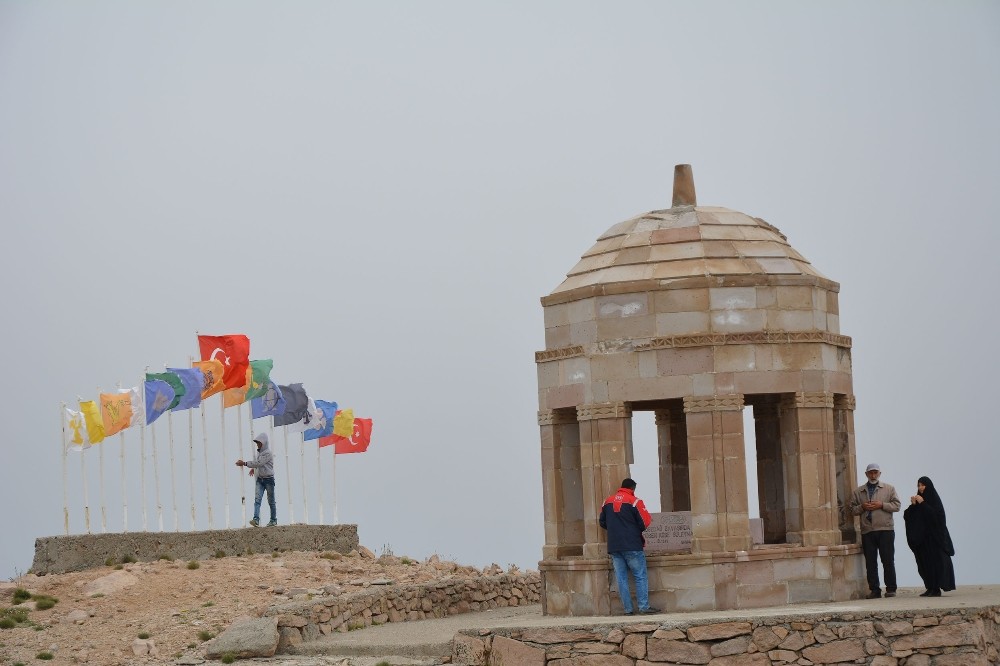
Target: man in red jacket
<point>625,518</point>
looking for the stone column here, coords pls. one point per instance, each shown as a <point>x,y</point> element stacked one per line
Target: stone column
<point>605,450</point>
<point>720,519</point>
<point>810,472</point>
<point>672,447</point>
<point>562,494</point>
<point>846,456</point>
<point>770,468</point>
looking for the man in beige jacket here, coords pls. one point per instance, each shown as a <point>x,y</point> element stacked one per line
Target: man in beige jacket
<point>875,502</point>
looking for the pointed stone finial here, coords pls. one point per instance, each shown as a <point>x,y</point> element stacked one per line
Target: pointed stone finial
<point>684,186</point>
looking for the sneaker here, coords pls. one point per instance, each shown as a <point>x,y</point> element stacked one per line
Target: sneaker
<point>875,594</point>
<point>628,613</point>
<point>890,594</point>
<point>272,523</point>
<point>650,611</point>
<point>255,522</point>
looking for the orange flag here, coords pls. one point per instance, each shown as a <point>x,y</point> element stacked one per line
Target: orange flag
<point>116,412</point>
<point>213,372</point>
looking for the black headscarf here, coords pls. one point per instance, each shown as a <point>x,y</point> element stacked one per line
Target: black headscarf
<point>938,525</point>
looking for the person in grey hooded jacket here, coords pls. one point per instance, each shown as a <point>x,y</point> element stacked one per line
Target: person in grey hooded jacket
<point>262,466</point>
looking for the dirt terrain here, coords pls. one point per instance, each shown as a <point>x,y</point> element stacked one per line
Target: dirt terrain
<point>102,612</point>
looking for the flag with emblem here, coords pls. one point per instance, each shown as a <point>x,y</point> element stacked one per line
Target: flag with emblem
<point>343,422</point>
<point>323,423</point>
<point>358,442</point>
<point>76,431</point>
<point>116,412</point>
<point>173,381</point>
<point>213,374</point>
<point>92,419</point>
<point>159,397</point>
<point>259,377</point>
<point>233,351</point>
<point>296,405</point>
<point>272,403</point>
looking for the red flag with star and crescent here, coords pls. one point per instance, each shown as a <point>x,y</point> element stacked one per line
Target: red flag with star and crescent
<point>233,351</point>
<point>358,441</point>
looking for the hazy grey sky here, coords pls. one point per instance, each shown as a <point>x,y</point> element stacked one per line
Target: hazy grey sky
<point>378,193</point>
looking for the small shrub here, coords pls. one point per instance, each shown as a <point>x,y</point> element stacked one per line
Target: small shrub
<point>21,594</point>
<point>405,560</point>
<point>274,554</point>
<point>205,635</point>
<point>219,554</point>
<point>44,602</point>
<point>7,623</point>
<point>167,556</point>
<point>118,566</point>
<point>97,595</point>
<point>128,559</point>
<point>227,658</point>
<point>207,604</point>
<point>44,656</point>
<point>193,564</point>
<point>16,615</point>
<point>143,635</point>
<point>110,562</point>
<point>383,663</point>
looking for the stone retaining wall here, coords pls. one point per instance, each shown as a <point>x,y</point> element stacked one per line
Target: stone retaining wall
<point>309,619</point>
<point>946,637</point>
<point>59,554</point>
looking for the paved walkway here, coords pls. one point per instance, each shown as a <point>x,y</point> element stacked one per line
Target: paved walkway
<point>422,642</point>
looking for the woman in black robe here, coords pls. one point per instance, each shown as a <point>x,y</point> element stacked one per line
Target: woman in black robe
<point>927,536</point>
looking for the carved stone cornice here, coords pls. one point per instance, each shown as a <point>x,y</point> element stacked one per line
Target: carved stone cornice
<point>667,416</point>
<point>700,340</point>
<point>604,410</point>
<point>556,417</point>
<point>809,399</point>
<point>713,403</point>
<point>557,354</point>
<point>842,401</point>
<point>756,337</point>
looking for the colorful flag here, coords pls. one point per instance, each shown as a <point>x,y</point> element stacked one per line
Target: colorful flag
<point>343,422</point>
<point>77,430</point>
<point>233,351</point>
<point>236,396</point>
<point>192,382</point>
<point>358,441</point>
<point>92,419</point>
<point>308,420</point>
<point>258,377</point>
<point>116,412</point>
<point>213,373</point>
<point>159,397</point>
<point>135,397</point>
<point>296,405</point>
<point>323,423</point>
<point>173,380</point>
<point>272,403</point>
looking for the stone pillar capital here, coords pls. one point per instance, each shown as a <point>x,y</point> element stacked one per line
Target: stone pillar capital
<point>556,417</point>
<point>844,401</point>
<point>806,399</point>
<point>713,403</point>
<point>603,410</point>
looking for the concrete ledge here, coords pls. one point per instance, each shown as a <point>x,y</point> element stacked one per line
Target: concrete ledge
<point>59,554</point>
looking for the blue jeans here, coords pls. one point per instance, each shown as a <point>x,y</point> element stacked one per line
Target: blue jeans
<point>265,483</point>
<point>634,561</point>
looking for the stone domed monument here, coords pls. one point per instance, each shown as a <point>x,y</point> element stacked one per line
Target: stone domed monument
<point>695,313</point>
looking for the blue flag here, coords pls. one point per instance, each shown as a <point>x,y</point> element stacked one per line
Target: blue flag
<point>159,396</point>
<point>323,424</point>
<point>194,381</point>
<point>272,403</point>
<point>296,404</point>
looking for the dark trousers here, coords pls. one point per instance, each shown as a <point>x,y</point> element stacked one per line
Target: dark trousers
<point>880,545</point>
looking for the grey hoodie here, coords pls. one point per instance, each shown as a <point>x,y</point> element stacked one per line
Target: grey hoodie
<point>263,462</point>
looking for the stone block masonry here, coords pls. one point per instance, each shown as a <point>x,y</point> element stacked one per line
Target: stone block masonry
<point>59,554</point>
<point>931,637</point>
<point>305,620</point>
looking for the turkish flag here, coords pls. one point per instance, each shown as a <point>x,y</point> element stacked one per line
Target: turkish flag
<point>358,441</point>
<point>233,351</point>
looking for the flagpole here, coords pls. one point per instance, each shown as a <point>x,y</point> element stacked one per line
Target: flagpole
<point>83,473</point>
<point>156,476</point>
<point>208,486</point>
<point>335,521</point>
<point>243,485</point>
<point>302,462</point>
<point>225,456</point>
<point>142,450</point>
<point>104,510</point>
<point>65,474</point>
<point>288,475</point>
<point>319,481</point>
<point>173,469</point>
<point>121,459</point>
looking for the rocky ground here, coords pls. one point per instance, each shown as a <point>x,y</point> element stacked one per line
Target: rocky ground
<point>161,612</point>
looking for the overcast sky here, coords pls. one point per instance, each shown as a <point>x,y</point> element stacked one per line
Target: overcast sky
<point>379,193</point>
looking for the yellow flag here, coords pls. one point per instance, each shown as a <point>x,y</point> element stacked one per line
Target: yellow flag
<point>236,396</point>
<point>92,418</point>
<point>343,422</point>
<point>116,412</point>
<point>213,371</point>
